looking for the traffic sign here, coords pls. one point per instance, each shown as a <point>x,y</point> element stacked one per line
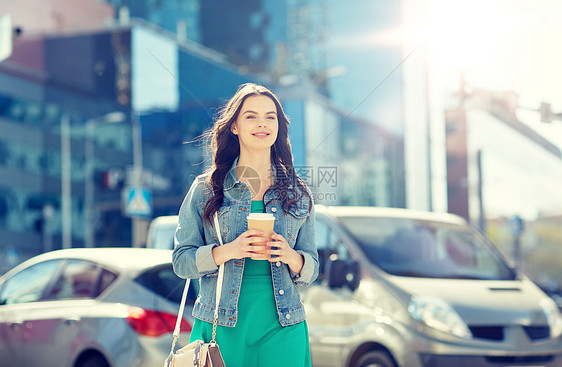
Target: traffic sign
<point>516,225</point>
<point>139,203</point>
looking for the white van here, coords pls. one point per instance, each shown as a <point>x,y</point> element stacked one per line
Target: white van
<point>403,288</point>
<point>161,232</point>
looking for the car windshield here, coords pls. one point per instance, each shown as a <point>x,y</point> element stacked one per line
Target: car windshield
<point>428,249</point>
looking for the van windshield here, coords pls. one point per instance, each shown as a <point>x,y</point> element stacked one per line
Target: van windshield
<point>428,249</point>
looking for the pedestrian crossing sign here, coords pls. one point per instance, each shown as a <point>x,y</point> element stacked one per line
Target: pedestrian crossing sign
<point>139,203</point>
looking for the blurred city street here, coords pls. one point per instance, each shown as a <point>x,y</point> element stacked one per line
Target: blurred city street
<point>428,105</point>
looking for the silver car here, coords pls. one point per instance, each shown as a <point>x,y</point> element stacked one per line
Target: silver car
<point>400,288</point>
<point>100,307</point>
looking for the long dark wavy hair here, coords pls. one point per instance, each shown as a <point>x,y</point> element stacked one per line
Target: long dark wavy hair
<point>225,148</point>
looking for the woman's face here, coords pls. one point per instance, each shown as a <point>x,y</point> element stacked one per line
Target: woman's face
<point>257,124</point>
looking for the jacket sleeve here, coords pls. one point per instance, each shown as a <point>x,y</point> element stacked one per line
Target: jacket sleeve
<point>306,246</point>
<point>192,256</point>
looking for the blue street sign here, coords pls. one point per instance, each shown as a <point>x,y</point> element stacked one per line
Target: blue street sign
<point>139,203</point>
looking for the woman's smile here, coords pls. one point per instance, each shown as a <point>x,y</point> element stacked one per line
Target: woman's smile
<point>261,134</point>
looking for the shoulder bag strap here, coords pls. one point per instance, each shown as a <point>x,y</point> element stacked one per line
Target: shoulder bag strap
<point>176,333</point>
<point>219,282</point>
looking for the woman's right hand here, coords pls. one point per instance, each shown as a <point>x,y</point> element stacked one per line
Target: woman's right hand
<point>241,247</point>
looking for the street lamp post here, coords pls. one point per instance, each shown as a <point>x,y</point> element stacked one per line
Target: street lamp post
<point>139,223</point>
<point>112,117</point>
<point>65,182</point>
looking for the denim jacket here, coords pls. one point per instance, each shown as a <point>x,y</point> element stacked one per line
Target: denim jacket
<point>194,241</point>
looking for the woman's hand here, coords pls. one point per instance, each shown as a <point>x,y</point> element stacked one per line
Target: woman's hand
<point>284,253</point>
<point>241,247</point>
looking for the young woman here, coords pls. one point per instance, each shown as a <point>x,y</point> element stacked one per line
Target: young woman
<point>261,318</point>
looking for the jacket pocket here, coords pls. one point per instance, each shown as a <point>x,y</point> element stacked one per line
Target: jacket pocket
<point>299,212</point>
<point>295,219</point>
<point>224,221</point>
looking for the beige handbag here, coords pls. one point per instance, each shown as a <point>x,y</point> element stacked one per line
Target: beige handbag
<point>198,353</point>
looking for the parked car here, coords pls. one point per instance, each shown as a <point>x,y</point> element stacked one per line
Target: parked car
<point>161,232</point>
<point>98,307</point>
<point>400,288</point>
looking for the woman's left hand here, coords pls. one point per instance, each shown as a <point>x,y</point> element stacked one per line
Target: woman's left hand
<point>284,253</point>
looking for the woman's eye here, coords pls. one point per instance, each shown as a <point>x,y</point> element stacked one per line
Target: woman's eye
<point>250,117</point>
<point>271,117</point>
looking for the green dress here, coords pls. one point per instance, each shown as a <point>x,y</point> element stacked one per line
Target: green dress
<point>258,339</point>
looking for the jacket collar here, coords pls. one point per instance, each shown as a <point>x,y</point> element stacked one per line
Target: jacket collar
<point>231,179</point>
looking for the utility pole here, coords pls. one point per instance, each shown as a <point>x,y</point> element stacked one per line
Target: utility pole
<point>89,189</point>
<point>138,198</point>
<point>139,223</point>
<point>65,182</point>
<point>516,227</point>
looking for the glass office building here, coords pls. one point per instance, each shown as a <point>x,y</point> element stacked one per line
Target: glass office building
<point>327,48</point>
<point>74,81</point>
<point>178,17</point>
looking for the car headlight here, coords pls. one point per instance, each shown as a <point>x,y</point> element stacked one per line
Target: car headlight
<point>553,317</point>
<point>438,315</point>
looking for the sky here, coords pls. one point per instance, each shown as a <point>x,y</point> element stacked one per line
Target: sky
<point>502,45</point>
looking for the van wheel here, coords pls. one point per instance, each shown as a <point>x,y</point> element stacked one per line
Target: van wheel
<point>375,359</point>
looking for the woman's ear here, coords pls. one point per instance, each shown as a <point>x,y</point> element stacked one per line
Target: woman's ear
<point>233,129</point>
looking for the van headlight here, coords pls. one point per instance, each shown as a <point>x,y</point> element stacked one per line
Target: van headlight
<point>553,316</point>
<point>438,315</point>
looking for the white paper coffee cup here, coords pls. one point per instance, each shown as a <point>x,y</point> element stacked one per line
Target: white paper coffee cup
<point>264,222</point>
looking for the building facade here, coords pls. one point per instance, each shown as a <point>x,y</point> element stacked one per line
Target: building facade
<point>75,81</point>
<point>328,48</point>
